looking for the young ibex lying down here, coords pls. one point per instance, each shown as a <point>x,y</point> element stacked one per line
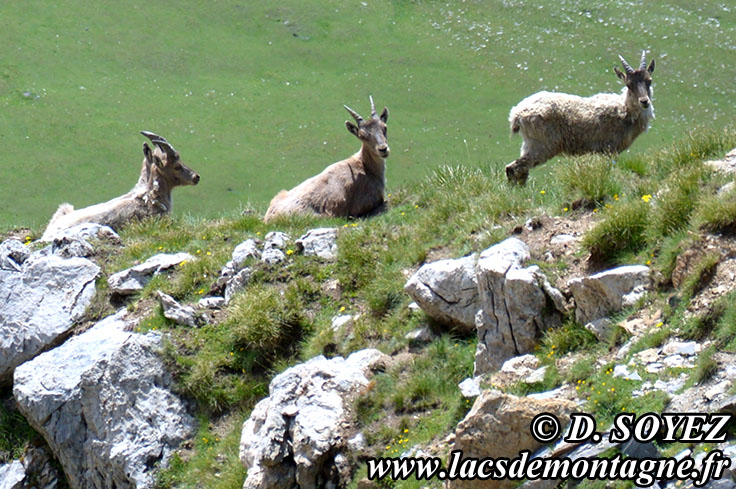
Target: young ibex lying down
<point>558,123</point>
<point>349,188</point>
<point>161,171</point>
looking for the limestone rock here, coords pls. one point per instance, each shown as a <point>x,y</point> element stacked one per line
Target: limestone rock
<point>470,387</point>
<point>245,251</point>
<point>237,283</point>
<point>12,475</point>
<point>420,336</point>
<point>605,293</point>
<point>35,470</point>
<point>43,295</point>
<point>498,426</point>
<point>276,239</point>
<point>185,315</point>
<point>103,402</point>
<point>12,254</point>
<point>75,241</point>
<point>84,232</point>
<point>517,305</point>
<point>447,291</point>
<point>320,242</point>
<point>272,256</point>
<point>133,279</point>
<point>726,165</point>
<point>211,303</point>
<point>297,436</point>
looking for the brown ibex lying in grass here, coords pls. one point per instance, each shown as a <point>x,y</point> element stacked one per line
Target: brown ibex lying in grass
<point>353,187</point>
<point>559,123</point>
<point>161,171</point>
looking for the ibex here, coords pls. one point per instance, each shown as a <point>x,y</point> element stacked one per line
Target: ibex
<point>559,123</point>
<point>161,171</point>
<point>353,187</point>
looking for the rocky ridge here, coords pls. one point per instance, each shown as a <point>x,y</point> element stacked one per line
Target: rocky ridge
<point>108,410</point>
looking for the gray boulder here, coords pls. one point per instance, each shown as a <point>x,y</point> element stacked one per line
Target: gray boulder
<point>185,315</point>
<point>276,239</point>
<point>320,242</point>
<point>246,250</point>
<point>75,241</point>
<point>133,279</point>
<point>447,291</point>
<point>517,305</point>
<point>12,254</point>
<point>103,402</point>
<point>298,436</point>
<point>12,475</point>
<point>86,231</point>
<point>605,293</point>
<point>237,283</point>
<point>34,470</point>
<point>43,295</point>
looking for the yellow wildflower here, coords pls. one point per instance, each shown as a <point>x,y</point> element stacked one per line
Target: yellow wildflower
<point>646,198</point>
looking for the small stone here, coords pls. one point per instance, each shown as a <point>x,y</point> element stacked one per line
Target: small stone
<point>536,376</point>
<point>272,256</point>
<point>211,302</point>
<point>421,335</point>
<point>343,321</point>
<point>470,387</point>
<point>276,239</point>
<point>562,239</point>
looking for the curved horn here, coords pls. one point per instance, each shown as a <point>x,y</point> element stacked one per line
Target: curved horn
<point>643,64</point>
<point>355,115</point>
<point>160,141</point>
<point>626,65</point>
<point>373,107</point>
<point>153,137</point>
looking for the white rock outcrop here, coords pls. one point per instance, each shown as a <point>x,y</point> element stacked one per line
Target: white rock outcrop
<point>102,401</point>
<point>605,293</point>
<point>507,304</point>
<point>133,279</point>
<point>180,314</point>
<point>298,436</point>
<point>12,475</point>
<point>447,291</point>
<point>517,305</point>
<point>320,242</point>
<point>41,297</point>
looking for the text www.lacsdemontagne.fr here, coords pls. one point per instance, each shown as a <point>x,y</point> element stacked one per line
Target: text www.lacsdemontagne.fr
<point>643,472</point>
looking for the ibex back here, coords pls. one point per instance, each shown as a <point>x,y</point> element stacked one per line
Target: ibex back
<point>353,187</point>
<point>161,171</point>
<point>559,123</point>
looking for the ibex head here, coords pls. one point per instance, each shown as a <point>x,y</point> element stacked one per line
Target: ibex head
<point>167,162</point>
<point>639,81</point>
<point>371,132</point>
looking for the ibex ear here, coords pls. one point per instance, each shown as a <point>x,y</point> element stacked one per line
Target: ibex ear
<point>157,161</point>
<point>147,153</point>
<point>352,128</point>
<point>384,115</point>
<point>651,67</point>
<point>619,73</point>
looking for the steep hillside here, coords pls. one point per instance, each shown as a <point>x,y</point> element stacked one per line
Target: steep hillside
<point>668,211</point>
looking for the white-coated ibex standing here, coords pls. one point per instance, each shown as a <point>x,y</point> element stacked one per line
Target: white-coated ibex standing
<point>161,171</point>
<point>353,187</point>
<point>558,123</point>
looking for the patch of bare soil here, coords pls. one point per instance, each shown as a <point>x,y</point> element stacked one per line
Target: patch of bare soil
<point>555,243</point>
<point>718,282</point>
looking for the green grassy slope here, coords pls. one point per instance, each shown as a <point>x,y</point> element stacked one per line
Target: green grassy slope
<point>251,93</point>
